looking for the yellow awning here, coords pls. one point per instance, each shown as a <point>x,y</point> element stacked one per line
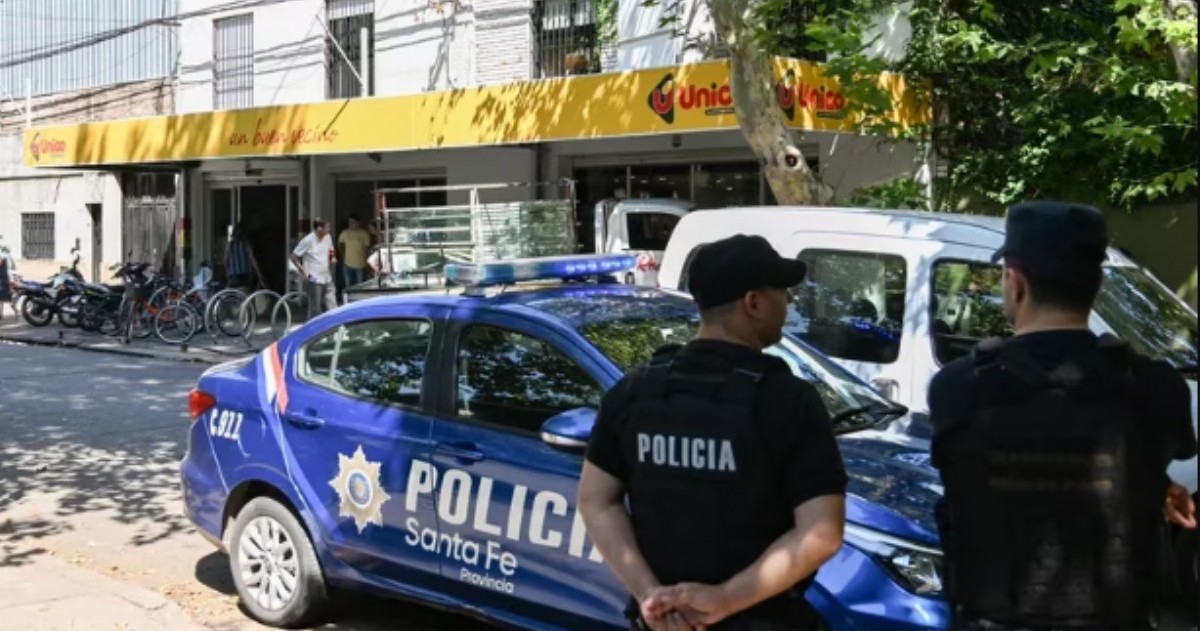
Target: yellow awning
<point>688,98</point>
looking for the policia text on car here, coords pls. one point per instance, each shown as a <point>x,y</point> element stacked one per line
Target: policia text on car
<point>1053,447</point>
<point>735,483</point>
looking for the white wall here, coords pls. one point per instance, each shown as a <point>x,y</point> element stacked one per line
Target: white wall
<point>66,194</point>
<point>417,49</point>
<point>643,43</point>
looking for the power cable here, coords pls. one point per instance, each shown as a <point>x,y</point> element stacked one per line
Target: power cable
<point>36,54</point>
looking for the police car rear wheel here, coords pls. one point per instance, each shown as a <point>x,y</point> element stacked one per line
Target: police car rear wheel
<point>274,566</point>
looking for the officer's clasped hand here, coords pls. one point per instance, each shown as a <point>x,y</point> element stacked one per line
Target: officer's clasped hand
<point>1180,509</point>
<point>686,606</point>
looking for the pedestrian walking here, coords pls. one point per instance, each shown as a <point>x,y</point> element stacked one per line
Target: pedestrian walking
<point>735,484</point>
<point>314,257</point>
<point>1053,447</point>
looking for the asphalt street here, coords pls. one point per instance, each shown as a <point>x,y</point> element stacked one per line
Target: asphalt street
<point>89,452</point>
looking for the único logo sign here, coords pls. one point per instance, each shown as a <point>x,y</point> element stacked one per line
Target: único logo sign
<point>667,97</point>
<point>49,147</point>
<point>823,102</point>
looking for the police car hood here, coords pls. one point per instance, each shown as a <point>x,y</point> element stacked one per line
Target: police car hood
<point>893,487</point>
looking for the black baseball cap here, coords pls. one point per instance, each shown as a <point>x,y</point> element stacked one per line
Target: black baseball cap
<point>726,270</point>
<point>1054,239</point>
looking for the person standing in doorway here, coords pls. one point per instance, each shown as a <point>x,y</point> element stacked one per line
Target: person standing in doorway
<point>353,245</point>
<point>5,279</point>
<point>240,261</point>
<point>1053,447</point>
<point>315,257</point>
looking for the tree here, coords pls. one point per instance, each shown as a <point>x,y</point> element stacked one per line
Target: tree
<point>752,82</point>
<point>1092,100</point>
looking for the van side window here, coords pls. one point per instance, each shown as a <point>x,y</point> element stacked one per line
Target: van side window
<point>968,306</point>
<point>851,305</point>
<point>687,264</point>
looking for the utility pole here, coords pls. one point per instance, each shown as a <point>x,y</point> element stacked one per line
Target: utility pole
<point>364,47</point>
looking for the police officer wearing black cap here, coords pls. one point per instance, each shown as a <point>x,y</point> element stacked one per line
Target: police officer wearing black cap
<point>1053,447</point>
<point>735,484</point>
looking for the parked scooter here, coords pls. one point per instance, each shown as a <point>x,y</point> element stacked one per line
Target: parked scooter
<point>61,297</point>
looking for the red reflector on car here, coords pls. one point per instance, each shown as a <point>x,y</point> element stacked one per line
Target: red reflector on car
<point>200,402</point>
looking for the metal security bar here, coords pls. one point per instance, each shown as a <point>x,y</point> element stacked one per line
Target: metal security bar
<point>233,62</point>
<point>37,236</point>
<point>565,37</point>
<point>347,18</point>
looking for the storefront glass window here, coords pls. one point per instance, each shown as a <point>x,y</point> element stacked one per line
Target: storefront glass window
<point>727,184</point>
<point>665,181</point>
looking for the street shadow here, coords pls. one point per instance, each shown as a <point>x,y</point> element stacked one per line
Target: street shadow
<point>103,437</point>
<point>351,611</point>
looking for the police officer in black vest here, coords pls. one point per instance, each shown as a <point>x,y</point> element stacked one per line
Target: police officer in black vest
<point>734,480</point>
<point>1053,447</point>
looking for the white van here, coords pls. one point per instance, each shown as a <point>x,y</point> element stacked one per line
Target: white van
<point>894,295</point>
<point>639,226</point>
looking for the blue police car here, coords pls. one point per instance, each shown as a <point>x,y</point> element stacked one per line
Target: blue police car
<point>429,446</point>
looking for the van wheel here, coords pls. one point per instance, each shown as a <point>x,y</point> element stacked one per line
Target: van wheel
<point>274,566</point>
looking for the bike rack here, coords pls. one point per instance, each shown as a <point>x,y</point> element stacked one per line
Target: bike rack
<point>248,315</point>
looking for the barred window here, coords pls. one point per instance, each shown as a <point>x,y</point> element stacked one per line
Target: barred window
<point>233,62</point>
<point>566,37</point>
<point>37,236</point>
<point>347,18</point>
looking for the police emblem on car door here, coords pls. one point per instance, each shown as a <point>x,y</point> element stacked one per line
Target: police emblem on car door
<point>354,424</point>
<point>506,500</point>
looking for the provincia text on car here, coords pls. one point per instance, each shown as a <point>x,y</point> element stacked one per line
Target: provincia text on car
<point>428,445</point>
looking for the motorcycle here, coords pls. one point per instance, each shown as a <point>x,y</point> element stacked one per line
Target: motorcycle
<point>61,297</point>
<point>101,308</point>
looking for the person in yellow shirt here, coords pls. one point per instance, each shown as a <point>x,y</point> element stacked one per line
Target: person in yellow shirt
<point>353,246</point>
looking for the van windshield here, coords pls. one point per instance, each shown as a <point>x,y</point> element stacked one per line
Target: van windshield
<point>1154,321</point>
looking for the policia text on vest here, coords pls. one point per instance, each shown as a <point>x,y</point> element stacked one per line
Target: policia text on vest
<point>734,481</point>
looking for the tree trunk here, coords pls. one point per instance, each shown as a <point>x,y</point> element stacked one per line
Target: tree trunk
<point>1185,58</point>
<point>753,85</point>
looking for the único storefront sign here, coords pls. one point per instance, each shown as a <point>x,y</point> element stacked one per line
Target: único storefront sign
<point>670,96</point>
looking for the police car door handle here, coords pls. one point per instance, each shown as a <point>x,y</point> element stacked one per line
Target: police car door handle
<point>305,421</point>
<point>460,451</point>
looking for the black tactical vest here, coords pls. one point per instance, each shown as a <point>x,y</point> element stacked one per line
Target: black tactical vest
<point>705,498</point>
<point>1043,493</point>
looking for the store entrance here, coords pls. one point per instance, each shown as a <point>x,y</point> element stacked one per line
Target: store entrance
<point>263,213</point>
<point>710,184</point>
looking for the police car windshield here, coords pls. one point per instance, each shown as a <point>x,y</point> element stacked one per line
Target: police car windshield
<point>1153,320</point>
<point>630,331</point>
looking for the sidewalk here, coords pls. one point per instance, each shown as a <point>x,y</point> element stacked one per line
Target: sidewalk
<point>201,348</point>
<point>49,594</point>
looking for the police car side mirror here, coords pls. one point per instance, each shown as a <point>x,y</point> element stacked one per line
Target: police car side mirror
<point>569,430</point>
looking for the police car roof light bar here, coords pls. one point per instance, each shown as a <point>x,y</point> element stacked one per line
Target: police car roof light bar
<point>531,269</point>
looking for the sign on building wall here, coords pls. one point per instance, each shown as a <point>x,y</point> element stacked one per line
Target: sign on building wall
<point>682,99</point>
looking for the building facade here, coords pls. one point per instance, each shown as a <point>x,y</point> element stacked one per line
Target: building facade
<point>290,110</point>
<point>78,61</point>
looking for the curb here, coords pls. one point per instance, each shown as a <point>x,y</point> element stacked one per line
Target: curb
<point>83,346</point>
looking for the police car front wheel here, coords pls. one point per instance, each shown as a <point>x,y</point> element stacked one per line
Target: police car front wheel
<point>274,566</point>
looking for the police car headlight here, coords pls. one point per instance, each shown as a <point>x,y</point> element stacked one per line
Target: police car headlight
<point>915,567</point>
